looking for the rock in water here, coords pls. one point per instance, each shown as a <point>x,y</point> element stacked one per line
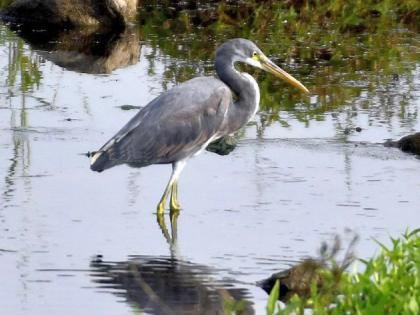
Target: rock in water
<point>410,143</point>
<point>296,280</point>
<point>300,278</point>
<point>223,146</point>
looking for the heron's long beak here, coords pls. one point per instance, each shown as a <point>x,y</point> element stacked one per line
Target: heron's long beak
<point>269,66</point>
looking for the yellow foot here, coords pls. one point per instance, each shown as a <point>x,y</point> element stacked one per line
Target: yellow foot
<point>174,206</point>
<point>161,220</point>
<point>161,207</point>
<point>173,215</point>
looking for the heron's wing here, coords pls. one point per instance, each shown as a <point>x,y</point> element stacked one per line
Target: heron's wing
<point>177,124</point>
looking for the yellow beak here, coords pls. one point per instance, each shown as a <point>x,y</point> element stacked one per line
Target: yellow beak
<point>269,66</point>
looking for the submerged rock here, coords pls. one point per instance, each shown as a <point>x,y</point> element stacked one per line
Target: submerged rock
<point>410,143</point>
<point>71,13</point>
<point>223,146</point>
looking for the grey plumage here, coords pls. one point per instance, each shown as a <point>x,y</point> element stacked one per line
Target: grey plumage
<point>184,120</point>
<point>173,126</point>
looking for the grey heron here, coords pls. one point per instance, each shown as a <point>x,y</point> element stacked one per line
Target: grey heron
<point>182,121</point>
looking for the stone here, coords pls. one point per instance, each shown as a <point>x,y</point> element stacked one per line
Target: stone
<point>410,143</point>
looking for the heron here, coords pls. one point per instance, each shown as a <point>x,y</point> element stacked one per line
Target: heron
<point>181,122</point>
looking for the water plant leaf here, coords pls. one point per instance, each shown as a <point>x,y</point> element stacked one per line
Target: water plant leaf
<point>272,298</point>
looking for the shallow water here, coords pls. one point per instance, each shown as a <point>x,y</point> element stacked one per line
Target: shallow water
<point>300,174</point>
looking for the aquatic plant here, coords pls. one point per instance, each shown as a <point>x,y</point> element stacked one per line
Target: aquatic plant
<point>389,284</point>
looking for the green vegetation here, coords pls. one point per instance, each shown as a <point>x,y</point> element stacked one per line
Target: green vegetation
<point>389,284</point>
<point>343,51</point>
<point>353,55</point>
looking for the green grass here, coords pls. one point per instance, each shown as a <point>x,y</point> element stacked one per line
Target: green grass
<point>389,284</point>
<point>343,51</point>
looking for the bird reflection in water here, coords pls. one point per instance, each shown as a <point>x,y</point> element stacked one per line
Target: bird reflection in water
<point>167,285</point>
<point>171,236</point>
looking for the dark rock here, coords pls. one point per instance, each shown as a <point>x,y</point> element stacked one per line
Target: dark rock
<point>223,146</point>
<point>410,143</point>
<point>296,280</point>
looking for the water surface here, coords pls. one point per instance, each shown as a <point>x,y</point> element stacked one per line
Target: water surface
<point>71,238</point>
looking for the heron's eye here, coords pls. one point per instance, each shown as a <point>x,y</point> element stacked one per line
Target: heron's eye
<point>254,54</point>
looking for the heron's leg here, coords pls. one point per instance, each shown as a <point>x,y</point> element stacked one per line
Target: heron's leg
<point>162,202</point>
<point>174,197</point>
<point>176,170</point>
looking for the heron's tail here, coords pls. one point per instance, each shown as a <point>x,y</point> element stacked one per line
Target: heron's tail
<point>100,161</point>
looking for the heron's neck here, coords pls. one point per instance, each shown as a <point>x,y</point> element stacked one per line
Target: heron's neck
<point>242,84</point>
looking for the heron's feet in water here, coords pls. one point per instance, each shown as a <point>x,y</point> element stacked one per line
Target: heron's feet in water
<point>161,207</point>
<point>173,204</point>
<point>174,207</point>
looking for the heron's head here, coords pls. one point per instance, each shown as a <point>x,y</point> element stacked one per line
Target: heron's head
<point>244,50</point>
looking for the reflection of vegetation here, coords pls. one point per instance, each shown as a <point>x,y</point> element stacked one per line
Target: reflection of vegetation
<point>388,285</point>
<point>22,73</point>
<point>23,65</point>
<point>351,54</point>
<point>344,51</point>
<point>21,152</point>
